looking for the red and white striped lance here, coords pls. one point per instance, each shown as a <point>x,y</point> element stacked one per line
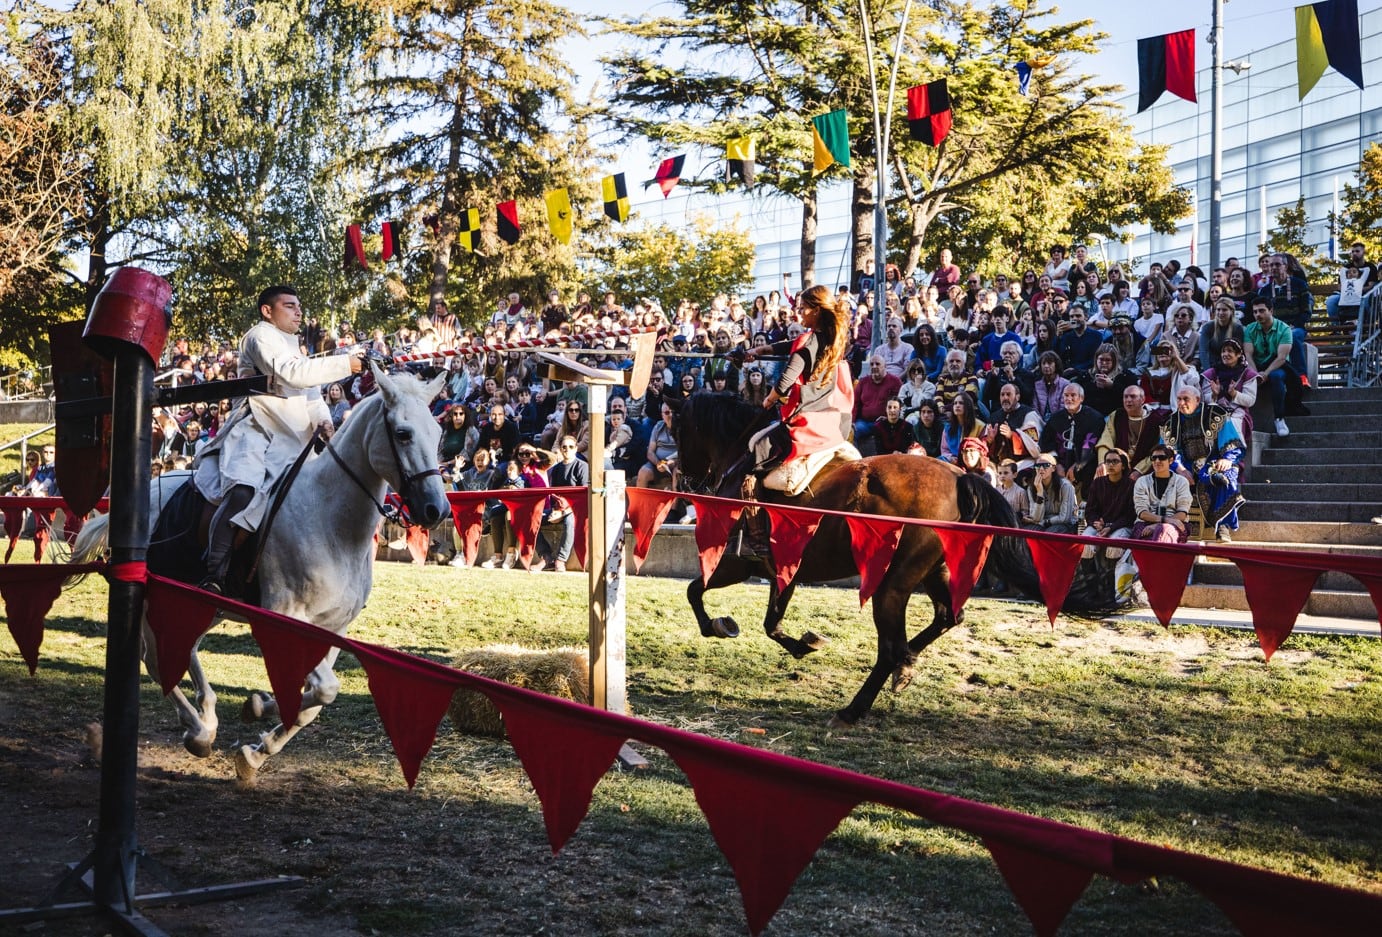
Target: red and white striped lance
<point>473,348</point>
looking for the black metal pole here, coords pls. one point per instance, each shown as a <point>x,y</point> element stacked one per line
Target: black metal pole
<point>114,857</point>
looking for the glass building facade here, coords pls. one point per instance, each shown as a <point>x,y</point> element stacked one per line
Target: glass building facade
<point>1275,148</point>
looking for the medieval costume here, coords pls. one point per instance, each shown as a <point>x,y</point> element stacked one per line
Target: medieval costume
<point>1202,440</point>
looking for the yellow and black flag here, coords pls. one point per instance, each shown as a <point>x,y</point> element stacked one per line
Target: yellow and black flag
<point>468,230</point>
<point>740,154</point>
<point>559,215</point>
<point>616,196</point>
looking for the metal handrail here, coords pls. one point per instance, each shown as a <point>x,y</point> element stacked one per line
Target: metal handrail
<point>23,442</point>
<point>1365,368</point>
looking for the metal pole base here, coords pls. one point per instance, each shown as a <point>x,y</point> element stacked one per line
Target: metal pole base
<point>126,917</point>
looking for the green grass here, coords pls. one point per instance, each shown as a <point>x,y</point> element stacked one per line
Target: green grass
<point>10,461</point>
<point>1184,738</point>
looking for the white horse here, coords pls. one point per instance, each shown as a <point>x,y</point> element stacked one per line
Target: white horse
<point>318,556</point>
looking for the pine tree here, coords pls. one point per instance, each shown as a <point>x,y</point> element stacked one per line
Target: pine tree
<point>1289,236</point>
<point>1361,215</point>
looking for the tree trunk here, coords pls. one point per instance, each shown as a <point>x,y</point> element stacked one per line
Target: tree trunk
<point>861,211</point>
<point>809,210</point>
<point>446,213</point>
<point>922,214</point>
<point>97,265</point>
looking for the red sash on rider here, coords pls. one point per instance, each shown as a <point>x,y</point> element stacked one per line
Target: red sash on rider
<point>819,429</point>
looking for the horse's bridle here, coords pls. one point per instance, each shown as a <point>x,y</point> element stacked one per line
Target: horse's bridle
<point>398,516</point>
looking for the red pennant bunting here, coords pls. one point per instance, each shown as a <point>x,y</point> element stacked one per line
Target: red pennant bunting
<point>565,758</point>
<point>29,592</point>
<point>1046,888</point>
<point>178,618</point>
<point>1164,574</point>
<point>965,554</point>
<point>289,656</point>
<point>768,825</point>
<point>874,541</point>
<point>714,521</point>
<point>419,538</point>
<point>14,525</point>
<point>1055,562</point>
<point>791,531</point>
<point>469,517</point>
<point>525,516</point>
<point>580,513</point>
<point>1374,587</point>
<point>411,699</point>
<point>1276,595</point>
<point>648,508</point>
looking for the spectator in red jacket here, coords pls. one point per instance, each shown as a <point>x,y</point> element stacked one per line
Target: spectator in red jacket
<point>871,395</point>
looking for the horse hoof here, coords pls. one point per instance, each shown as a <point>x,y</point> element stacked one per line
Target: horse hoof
<point>902,677</point>
<point>725,627</point>
<point>814,641</point>
<point>199,745</point>
<point>248,761</point>
<point>258,707</point>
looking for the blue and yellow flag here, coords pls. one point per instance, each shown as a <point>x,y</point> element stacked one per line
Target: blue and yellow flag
<point>1327,35</point>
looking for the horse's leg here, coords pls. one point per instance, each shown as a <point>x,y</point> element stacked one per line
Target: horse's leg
<point>205,698</point>
<point>195,737</point>
<point>937,585</point>
<point>732,570</point>
<point>772,623</point>
<point>319,689</point>
<point>890,621</point>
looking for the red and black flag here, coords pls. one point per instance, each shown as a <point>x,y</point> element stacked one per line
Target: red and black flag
<point>509,228</point>
<point>1165,63</point>
<point>668,174</point>
<point>928,112</point>
<point>391,235</point>
<point>354,249</point>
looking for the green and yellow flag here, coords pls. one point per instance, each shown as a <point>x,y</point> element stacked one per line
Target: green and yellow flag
<point>740,154</point>
<point>468,230</point>
<point>830,135</point>
<point>616,197</point>
<point>559,215</point>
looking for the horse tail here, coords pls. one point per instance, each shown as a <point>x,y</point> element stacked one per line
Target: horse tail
<point>90,545</point>
<point>1010,558</point>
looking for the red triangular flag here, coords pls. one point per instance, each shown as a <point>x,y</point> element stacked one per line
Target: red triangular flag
<point>14,525</point>
<point>714,521</point>
<point>966,552</point>
<point>564,757</point>
<point>411,698</point>
<point>648,508</point>
<point>289,656</point>
<point>1045,887</point>
<point>768,825</point>
<point>29,592</point>
<point>525,517</point>
<point>790,532</point>
<point>1374,587</point>
<point>1055,562</point>
<point>469,518</point>
<point>874,541</point>
<point>1164,574</point>
<point>669,174</point>
<point>178,618</point>
<point>354,249</point>
<point>1276,595</point>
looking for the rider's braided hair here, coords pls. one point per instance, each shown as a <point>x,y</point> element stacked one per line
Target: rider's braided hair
<point>832,331</point>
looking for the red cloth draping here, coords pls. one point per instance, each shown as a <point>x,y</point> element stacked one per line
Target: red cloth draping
<point>965,554</point>
<point>1276,594</point>
<point>178,618</point>
<point>1164,574</point>
<point>525,516</point>
<point>289,656</point>
<point>768,825</point>
<point>14,526</point>
<point>128,572</point>
<point>410,697</point>
<point>714,520</point>
<point>648,508</point>
<point>564,755</point>
<point>29,592</point>
<point>469,518</point>
<point>1055,562</point>
<point>580,514</point>
<point>873,541</point>
<point>790,532</point>
<point>1046,888</point>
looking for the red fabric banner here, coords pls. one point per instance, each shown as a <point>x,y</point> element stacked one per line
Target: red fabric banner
<point>29,592</point>
<point>564,757</point>
<point>768,824</point>
<point>1276,594</point>
<point>1180,64</point>
<point>525,516</point>
<point>580,513</point>
<point>1055,562</point>
<point>1046,888</point>
<point>715,518</point>
<point>469,518</point>
<point>1164,574</point>
<point>647,510</point>
<point>411,696</point>
<point>965,555</point>
<point>178,617</point>
<point>790,532</point>
<point>354,249</point>
<point>14,526</point>
<point>289,656</point>
<point>873,540</point>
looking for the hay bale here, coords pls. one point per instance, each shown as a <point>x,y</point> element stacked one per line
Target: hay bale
<point>563,673</point>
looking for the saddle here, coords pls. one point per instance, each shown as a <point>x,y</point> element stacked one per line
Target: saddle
<point>177,547</point>
<point>795,476</point>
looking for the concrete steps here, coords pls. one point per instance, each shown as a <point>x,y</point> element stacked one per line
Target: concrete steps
<point>1334,511</point>
<point>1349,458</point>
<point>1338,487</point>
<point>1325,603</point>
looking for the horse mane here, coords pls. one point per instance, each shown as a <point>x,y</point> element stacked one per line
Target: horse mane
<point>721,416</point>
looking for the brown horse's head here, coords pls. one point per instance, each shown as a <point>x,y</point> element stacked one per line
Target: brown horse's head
<point>710,431</point>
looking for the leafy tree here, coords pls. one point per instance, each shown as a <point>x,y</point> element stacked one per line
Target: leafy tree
<point>1289,236</point>
<point>1361,217</point>
<point>670,264</point>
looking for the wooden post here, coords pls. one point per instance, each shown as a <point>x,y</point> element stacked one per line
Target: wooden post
<point>596,573</point>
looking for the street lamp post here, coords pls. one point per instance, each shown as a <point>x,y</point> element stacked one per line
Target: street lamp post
<point>1216,129</point>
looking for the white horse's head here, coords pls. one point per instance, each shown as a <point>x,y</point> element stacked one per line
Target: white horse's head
<point>405,452</point>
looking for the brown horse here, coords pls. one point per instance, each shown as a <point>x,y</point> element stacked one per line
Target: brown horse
<point>711,438</point>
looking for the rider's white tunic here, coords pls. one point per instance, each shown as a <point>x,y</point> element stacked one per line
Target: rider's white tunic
<point>266,433</point>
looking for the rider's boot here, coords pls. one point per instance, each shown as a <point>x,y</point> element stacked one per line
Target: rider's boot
<point>221,538</point>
